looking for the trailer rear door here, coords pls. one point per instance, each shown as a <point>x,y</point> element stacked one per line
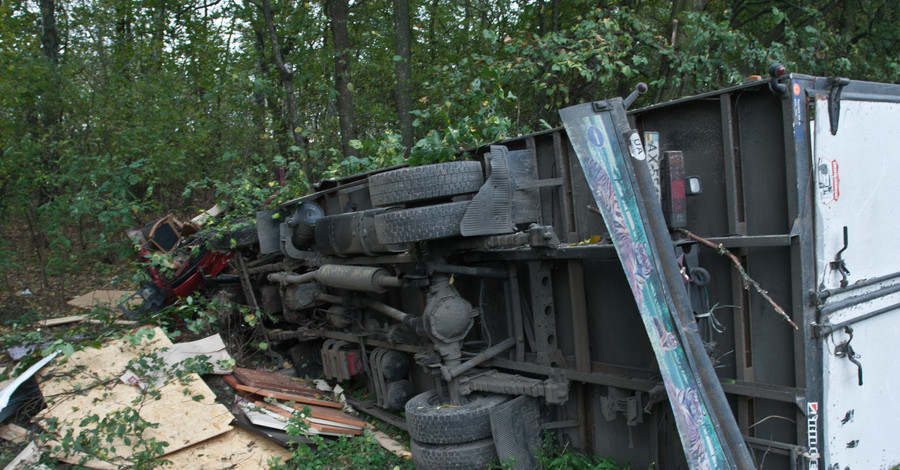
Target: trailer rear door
<point>855,183</point>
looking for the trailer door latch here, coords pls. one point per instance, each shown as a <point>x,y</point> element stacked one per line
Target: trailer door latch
<point>834,101</point>
<point>845,350</point>
<point>840,264</point>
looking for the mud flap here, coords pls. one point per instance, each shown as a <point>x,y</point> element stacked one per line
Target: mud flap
<point>516,428</point>
<point>491,211</point>
<point>603,149</point>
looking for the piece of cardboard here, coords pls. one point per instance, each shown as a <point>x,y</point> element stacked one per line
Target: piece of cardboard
<point>212,346</point>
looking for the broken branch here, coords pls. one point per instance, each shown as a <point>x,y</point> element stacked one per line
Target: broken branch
<point>748,281</point>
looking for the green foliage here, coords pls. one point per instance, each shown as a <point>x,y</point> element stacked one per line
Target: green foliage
<point>153,107</point>
<point>553,457</point>
<point>99,434</point>
<point>463,112</point>
<point>343,452</point>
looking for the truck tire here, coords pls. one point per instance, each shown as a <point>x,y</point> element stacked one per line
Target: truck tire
<point>431,421</point>
<point>425,183</point>
<point>475,455</point>
<point>420,223</point>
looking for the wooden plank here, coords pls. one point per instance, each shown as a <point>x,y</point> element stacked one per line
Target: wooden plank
<point>330,414</point>
<point>313,420</point>
<point>278,395</point>
<point>13,433</point>
<point>273,382</point>
<point>389,444</point>
<point>204,216</point>
<point>78,318</point>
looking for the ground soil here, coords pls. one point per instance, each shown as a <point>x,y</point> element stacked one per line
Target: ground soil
<point>29,291</point>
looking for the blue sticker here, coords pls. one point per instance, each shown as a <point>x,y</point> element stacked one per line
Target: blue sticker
<point>595,136</point>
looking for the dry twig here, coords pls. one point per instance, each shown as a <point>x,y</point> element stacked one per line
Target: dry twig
<point>748,281</point>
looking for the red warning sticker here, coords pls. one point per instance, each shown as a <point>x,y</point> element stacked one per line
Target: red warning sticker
<point>828,181</point>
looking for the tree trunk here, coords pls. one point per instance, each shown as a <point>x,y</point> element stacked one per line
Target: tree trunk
<point>554,16</point>
<point>287,82</point>
<point>540,17</point>
<point>402,40</point>
<point>337,11</point>
<point>50,104</point>
<point>259,94</point>
<point>49,32</point>
<point>432,49</point>
<point>678,38</point>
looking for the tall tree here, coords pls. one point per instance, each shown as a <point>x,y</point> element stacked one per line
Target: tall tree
<point>402,70</point>
<point>338,13</point>
<point>287,82</point>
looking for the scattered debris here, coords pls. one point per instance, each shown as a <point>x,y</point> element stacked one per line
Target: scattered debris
<point>173,245</point>
<point>275,435</point>
<point>274,382</point>
<point>204,217</point>
<point>388,444</point>
<point>273,407</point>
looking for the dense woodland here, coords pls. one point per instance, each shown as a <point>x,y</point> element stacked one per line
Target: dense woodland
<point>117,111</point>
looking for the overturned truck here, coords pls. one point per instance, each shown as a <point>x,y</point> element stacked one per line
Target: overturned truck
<point>599,280</point>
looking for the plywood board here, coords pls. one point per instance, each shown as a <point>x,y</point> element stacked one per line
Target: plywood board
<point>109,298</point>
<point>237,449</point>
<point>88,383</point>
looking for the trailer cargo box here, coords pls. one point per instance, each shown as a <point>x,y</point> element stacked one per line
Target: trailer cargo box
<point>476,281</point>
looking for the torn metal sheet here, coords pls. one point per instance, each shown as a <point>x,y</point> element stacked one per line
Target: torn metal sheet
<point>277,436</point>
<point>7,394</point>
<point>262,414</point>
